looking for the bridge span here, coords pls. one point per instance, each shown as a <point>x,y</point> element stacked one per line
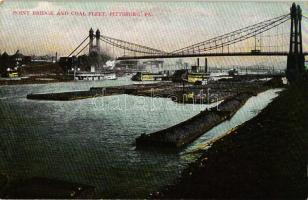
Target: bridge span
<point>207,55</point>
<point>221,45</point>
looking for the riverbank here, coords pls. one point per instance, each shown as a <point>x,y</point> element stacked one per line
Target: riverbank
<point>263,158</point>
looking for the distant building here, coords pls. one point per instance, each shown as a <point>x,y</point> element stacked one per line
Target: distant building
<point>10,63</point>
<point>153,66</point>
<point>21,59</point>
<point>44,59</point>
<point>66,63</point>
<point>128,64</point>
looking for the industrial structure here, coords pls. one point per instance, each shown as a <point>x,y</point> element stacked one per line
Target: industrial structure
<point>296,58</point>
<point>220,45</point>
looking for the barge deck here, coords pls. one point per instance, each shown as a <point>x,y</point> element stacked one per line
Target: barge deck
<point>187,131</point>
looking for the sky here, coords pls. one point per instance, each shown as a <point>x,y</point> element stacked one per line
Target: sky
<point>170,26</point>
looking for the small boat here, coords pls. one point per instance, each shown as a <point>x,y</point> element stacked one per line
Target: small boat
<point>233,72</point>
<point>94,76</point>
<point>111,76</point>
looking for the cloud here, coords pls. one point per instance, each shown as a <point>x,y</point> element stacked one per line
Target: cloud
<point>172,26</point>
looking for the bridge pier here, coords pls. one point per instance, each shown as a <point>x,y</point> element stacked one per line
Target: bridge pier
<point>296,59</point>
<point>295,67</point>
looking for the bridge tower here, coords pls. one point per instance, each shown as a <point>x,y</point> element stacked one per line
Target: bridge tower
<point>91,37</point>
<point>296,58</point>
<point>97,36</point>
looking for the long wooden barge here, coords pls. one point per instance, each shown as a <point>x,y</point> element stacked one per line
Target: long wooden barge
<point>187,131</point>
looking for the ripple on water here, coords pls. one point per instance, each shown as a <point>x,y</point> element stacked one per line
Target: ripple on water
<point>92,140</point>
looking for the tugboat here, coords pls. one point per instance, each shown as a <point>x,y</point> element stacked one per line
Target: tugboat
<point>137,77</point>
<point>147,76</point>
<point>233,72</point>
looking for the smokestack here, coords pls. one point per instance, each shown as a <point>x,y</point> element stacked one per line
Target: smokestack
<point>205,65</point>
<point>198,65</point>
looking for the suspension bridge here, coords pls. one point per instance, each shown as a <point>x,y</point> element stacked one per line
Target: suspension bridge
<point>259,36</point>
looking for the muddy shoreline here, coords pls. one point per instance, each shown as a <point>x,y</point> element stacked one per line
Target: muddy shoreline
<point>263,158</point>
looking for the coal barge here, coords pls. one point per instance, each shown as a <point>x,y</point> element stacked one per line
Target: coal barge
<point>187,131</point>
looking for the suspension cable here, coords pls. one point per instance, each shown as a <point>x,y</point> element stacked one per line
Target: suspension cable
<point>121,46</point>
<point>82,49</point>
<point>131,46</point>
<point>78,46</point>
<point>235,36</point>
<point>304,16</point>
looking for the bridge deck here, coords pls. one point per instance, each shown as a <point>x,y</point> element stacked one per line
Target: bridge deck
<point>206,55</point>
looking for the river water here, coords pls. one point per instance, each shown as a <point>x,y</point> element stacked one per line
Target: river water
<point>91,141</point>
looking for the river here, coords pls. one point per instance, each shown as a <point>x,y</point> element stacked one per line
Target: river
<point>91,141</point>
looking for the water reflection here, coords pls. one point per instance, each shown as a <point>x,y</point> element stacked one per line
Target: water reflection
<point>91,141</point>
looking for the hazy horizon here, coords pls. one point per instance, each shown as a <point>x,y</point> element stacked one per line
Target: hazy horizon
<point>173,25</point>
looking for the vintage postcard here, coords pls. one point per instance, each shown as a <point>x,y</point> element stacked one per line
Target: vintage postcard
<point>153,99</point>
